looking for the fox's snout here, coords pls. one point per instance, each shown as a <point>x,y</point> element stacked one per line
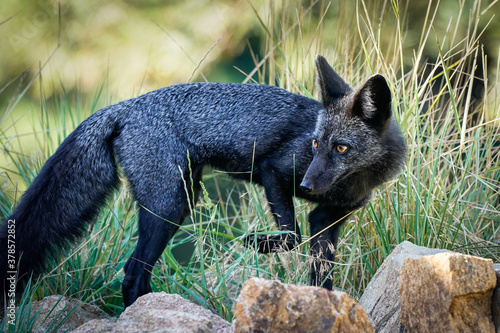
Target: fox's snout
<point>315,185</point>
<point>306,186</point>
<point>318,177</point>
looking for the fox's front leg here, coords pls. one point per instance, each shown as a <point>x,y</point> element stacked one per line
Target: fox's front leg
<point>280,200</point>
<point>325,223</point>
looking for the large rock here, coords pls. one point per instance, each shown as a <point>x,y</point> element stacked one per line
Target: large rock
<point>447,292</point>
<point>161,313</point>
<point>495,302</point>
<point>52,310</point>
<point>271,306</point>
<point>381,299</point>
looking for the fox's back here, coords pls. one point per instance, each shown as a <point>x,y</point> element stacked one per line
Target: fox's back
<point>220,119</point>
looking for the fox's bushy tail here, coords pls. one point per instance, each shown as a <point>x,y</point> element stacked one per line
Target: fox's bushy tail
<point>66,195</point>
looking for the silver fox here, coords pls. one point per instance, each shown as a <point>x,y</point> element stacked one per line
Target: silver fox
<point>333,153</point>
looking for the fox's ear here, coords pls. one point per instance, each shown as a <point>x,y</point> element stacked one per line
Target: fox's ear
<point>373,102</point>
<point>331,85</point>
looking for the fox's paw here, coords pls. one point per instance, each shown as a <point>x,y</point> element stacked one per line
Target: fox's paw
<point>266,243</point>
<point>258,240</point>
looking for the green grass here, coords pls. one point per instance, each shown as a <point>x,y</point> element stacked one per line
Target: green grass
<point>447,196</point>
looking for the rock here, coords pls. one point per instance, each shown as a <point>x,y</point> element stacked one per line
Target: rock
<point>151,320</point>
<point>381,299</point>
<point>447,292</point>
<point>160,312</point>
<point>271,306</point>
<point>53,309</point>
<point>495,302</point>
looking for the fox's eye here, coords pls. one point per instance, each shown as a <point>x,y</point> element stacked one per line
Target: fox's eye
<point>341,148</point>
<point>315,143</point>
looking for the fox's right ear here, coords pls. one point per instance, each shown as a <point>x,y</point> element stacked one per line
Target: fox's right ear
<point>331,85</point>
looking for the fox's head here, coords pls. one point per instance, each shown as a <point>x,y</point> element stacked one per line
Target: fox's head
<point>356,134</point>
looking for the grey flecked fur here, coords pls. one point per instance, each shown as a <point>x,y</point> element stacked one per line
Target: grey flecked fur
<point>233,127</point>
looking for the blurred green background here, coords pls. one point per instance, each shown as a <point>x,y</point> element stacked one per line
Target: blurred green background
<point>143,45</point>
<point>136,46</point>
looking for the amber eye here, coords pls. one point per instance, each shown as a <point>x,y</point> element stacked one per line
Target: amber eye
<point>315,143</point>
<point>341,148</point>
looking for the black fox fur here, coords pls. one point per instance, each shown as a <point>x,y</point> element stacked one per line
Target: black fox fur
<point>333,153</point>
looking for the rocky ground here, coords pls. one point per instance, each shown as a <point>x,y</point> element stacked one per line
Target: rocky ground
<point>415,290</point>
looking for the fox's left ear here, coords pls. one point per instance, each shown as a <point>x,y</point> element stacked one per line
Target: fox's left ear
<point>331,85</point>
<point>373,102</point>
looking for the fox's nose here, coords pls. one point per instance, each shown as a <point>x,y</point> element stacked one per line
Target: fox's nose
<point>306,186</point>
